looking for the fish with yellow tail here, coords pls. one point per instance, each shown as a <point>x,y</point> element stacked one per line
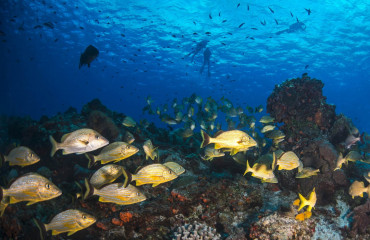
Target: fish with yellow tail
<point>261,171</point>
<point>21,156</point>
<point>105,175</point>
<point>150,151</point>
<point>154,174</point>
<point>31,187</point>
<point>357,189</point>
<point>177,168</point>
<point>310,202</point>
<point>210,152</point>
<point>79,142</point>
<point>70,221</point>
<point>234,139</point>
<point>114,152</point>
<point>128,122</point>
<point>115,193</point>
<point>289,161</point>
<point>307,172</point>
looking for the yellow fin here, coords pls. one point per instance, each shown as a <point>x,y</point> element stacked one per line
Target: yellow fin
<point>300,217</point>
<point>54,232</point>
<point>307,214</point>
<point>303,201</point>
<point>139,183</point>
<point>101,199</point>
<point>362,195</point>
<point>296,202</point>
<point>155,184</point>
<point>30,203</point>
<point>71,232</point>
<point>217,146</point>
<point>13,200</point>
<point>234,151</point>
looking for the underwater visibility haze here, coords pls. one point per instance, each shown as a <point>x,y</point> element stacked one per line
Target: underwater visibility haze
<point>184,119</point>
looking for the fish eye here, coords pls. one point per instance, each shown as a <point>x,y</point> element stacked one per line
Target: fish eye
<point>128,147</point>
<point>30,154</point>
<point>47,186</point>
<point>170,171</point>
<point>84,216</point>
<point>138,194</point>
<point>97,136</point>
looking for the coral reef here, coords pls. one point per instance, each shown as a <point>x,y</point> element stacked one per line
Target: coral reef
<point>196,231</point>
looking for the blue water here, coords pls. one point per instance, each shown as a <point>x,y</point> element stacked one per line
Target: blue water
<point>143,45</point>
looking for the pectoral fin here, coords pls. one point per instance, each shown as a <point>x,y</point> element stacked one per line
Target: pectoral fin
<point>54,232</point>
<point>155,184</point>
<point>71,232</point>
<point>12,200</point>
<point>30,203</point>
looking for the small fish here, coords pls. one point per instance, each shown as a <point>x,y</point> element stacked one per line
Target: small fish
<point>149,100</point>
<point>248,7</point>
<point>291,14</point>
<point>128,122</point>
<point>177,168</point>
<point>234,139</point>
<point>224,21</point>
<point>263,23</point>
<point>128,137</point>
<point>275,134</point>
<point>106,174</point>
<point>276,21</point>
<point>21,156</point>
<point>308,11</point>
<point>154,174</point>
<point>80,141</point>
<point>88,56</point>
<point>238,5</point>
<point>210,16</point>
<point>210,152</point>
<point>115,193</point>
<point>288,161</point>
<point>31,187</point>
<point>260,169</point>
<point>266,119</point>
<point>307,172</point>
<point>271,10</point>
<point>150,151</point>
<point>306,66</point>
<point>310,202</point>
<point>49,25</point>
<point>114,152</point>
<point>70,221</point>
<point>267,128</point>
<point>241,25</point>
<point>357,189</point>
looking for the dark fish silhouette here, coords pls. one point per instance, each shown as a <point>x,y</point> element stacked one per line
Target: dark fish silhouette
<point>271,10</point>
<point>277,23</point>
<point>88,56</point>
<point>291,14</point>
<point>308,11</point>
<point>241,25</point>
<point>210,16</point>
<point>238,5</point>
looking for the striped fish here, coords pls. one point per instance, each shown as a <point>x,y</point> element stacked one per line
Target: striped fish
<point>69,221</point>
<point>177,168</point>
<point>21,156</point>
<point>288,161</point>
<point>105,175</point>
<point>151,174</point>
<point>31,187</point>
<point>114,152</point>
<point>115,193</point>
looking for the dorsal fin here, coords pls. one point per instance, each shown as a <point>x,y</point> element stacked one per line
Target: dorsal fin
<point>64,137</point>
<point>218,133</point>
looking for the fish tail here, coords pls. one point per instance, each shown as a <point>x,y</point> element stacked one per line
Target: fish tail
<point>54,146</point>
<point>303,201</point>
<point>248,168</point>
<point>206,139</point>
<point>91,159</point>
<point>41,228</point>
<point>128,177</point>
<point>89,189</point>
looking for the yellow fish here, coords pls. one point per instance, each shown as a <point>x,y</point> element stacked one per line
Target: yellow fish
<point>267,119</point>
<point>21,156</point>
<point>260,170</point>
<point>151,174</point>
<point>234,139</point>
<point>128,122</point>
<point>288,161</point>
<point>357,189</point>
<point>310,202</point>
<point>177,168</point>
<point>210,152</point>
<point>114,152</point>
<point>80,141</point>
<point>307,172</point>
<point>267,128</point>
<point>30,187</point>
<point>105,175</point>
<point>352,156</point>
<point>115,193</point>
<point>69,221</point>
<point>128,137</point>
<point>149,150</point>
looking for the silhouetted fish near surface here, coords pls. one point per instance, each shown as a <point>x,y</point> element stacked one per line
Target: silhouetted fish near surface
<point>241,25</point>
<point>88,56</point>
<point>308,11</point>
<point>271,10</point>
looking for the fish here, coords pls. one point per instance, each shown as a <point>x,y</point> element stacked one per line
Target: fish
<point>357,188</point>
<point>234,139</point>
<point>267,119</point>
<point>149,100</point>
<point>70,221</point>
<point>260,169</point>
<point>308,11</point>
<point>271,10</point>
<point>88,56</point>
<point>238,5</point>
<point>115,193</point>
<point>177,168</point>
<point>351,156</point>
<point>106,174</point>
<point>128,122</point>
<point>367,177</point>
<point>267,128</point>
<point>210,152</point>
<point>128,137</point>
<point>150,151</point>
<point>307,172</point>
<point>80,141</point>
<point>310,202</point>
<point>241,25</point>
<point>275,134</point>
<point>21,156</point>
<point>276,21</point>
<point>30,187</point>
<point>114,152</point>
<point>210,16</point>
<point>303,216</point>
<point>154,174</point>
<point>288,161</point>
